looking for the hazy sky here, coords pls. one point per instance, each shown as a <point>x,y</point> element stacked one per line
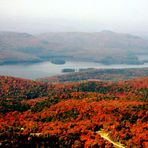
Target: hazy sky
<point>37,16</point>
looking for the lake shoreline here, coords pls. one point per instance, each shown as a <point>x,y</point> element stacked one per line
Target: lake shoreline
<point>62,62</point>
<point>47,69</point>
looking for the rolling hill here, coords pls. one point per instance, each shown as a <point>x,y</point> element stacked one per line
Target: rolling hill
<point>106,47</point>
<point>19,47</point>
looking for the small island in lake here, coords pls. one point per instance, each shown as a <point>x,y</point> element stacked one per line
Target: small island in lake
<point>58,61</point>
<point>68,70</point>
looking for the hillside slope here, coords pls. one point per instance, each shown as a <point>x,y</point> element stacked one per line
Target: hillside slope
<point>91,74</point>
<point>72,114</point>
<point>106,47</point>
<point>20,47</point>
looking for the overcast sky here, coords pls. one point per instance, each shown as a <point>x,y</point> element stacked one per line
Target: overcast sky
<point>36,16</point>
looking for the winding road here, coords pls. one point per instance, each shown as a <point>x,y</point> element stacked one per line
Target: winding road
<point>106,136</point>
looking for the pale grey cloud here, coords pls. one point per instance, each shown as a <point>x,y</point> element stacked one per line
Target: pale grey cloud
<point>126,15</point>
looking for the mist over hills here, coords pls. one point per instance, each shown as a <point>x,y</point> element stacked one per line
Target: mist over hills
<point>106,47</point>
<point>12,45</point>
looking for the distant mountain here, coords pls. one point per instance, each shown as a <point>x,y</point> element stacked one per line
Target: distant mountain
<point>19,47</point>
<point>107,47</point>
<point>98,46</point>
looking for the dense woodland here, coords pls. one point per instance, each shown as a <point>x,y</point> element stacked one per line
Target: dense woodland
<point>65,115</point>
<point>99,74</point>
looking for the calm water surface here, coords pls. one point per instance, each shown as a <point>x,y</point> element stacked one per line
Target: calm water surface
<point>45,69</point>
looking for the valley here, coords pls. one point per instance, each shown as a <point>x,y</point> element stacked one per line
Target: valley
<point>73,74</point>
<point>73,89</point>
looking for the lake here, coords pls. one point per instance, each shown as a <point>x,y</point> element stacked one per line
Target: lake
<point>45,69</point>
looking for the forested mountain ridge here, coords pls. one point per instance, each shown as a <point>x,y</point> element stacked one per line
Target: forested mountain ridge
<point>73,114</point>
<point>96,40</point>
<point>18,47</point>
<point>106,47</point>
<point>117,48</point>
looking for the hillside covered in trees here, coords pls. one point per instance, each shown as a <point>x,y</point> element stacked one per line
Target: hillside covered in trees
<point>98,75</point>
<point>105,47</point>
<point>74,114</point>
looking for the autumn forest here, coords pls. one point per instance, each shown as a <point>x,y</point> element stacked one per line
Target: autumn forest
<point>89,114</point>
